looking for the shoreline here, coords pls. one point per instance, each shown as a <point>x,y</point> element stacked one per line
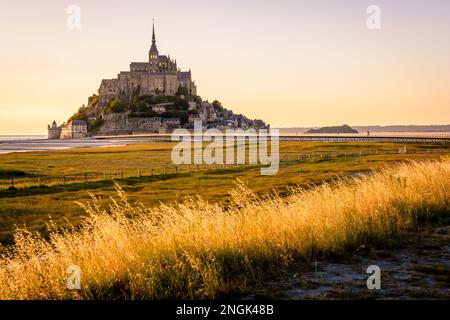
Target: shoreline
<point>31,145</point>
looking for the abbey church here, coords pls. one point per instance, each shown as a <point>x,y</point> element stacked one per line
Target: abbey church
<point>159,75</point>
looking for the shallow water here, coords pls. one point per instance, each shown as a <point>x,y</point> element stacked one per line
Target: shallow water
<point>10,144</point>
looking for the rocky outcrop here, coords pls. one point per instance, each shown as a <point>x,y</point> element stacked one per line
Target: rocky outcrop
<point>121,123</point>
<point>336,129</point>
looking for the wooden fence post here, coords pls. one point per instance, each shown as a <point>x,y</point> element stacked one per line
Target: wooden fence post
<point>85,177</point>
<point>12,182</point>
<point>64,178</point>
<point>121,175</point>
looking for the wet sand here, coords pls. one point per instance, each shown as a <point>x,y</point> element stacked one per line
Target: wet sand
<point>20,145</point>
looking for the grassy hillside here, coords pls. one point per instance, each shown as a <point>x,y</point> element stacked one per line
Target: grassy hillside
<point>199,249</point>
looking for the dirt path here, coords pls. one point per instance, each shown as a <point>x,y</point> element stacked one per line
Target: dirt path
<point>415,268</point>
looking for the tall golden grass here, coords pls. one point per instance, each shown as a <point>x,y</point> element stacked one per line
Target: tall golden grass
<point>197,249</point>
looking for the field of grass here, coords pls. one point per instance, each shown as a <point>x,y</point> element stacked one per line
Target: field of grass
<point>202,249</point>
<point>31,206</point>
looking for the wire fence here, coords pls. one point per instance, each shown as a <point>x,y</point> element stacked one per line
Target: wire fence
<point>136,173</point>
<point>92,177</point>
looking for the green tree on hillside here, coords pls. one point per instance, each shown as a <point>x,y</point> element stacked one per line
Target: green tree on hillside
<point>116,106</point>
<point>95,126</point>
<point>218,105</point>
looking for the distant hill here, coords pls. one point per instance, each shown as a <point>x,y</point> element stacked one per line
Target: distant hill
<point>407,128</point>
<point>336,129</point>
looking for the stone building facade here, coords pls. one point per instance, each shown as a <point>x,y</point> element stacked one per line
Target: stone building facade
<point>160,75</point>
<point>75,129</point>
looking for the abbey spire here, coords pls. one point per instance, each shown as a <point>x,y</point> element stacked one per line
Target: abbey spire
<point>153,37</point>
<point>153,49</point>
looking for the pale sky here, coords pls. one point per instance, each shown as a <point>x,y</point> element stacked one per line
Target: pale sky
<point>288,62</point>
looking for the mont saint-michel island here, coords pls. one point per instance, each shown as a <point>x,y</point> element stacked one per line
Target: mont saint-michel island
<point>152,97</point>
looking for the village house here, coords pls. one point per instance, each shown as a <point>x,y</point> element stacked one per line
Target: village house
<point>75,129</point>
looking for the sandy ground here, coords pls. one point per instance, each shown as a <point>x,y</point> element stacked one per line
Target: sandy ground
<point>415,268</point>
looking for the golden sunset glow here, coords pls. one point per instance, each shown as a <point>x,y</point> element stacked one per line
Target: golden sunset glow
<point>290,63</point>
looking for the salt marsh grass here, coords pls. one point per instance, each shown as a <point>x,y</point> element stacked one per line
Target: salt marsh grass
<point>197,249</point>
